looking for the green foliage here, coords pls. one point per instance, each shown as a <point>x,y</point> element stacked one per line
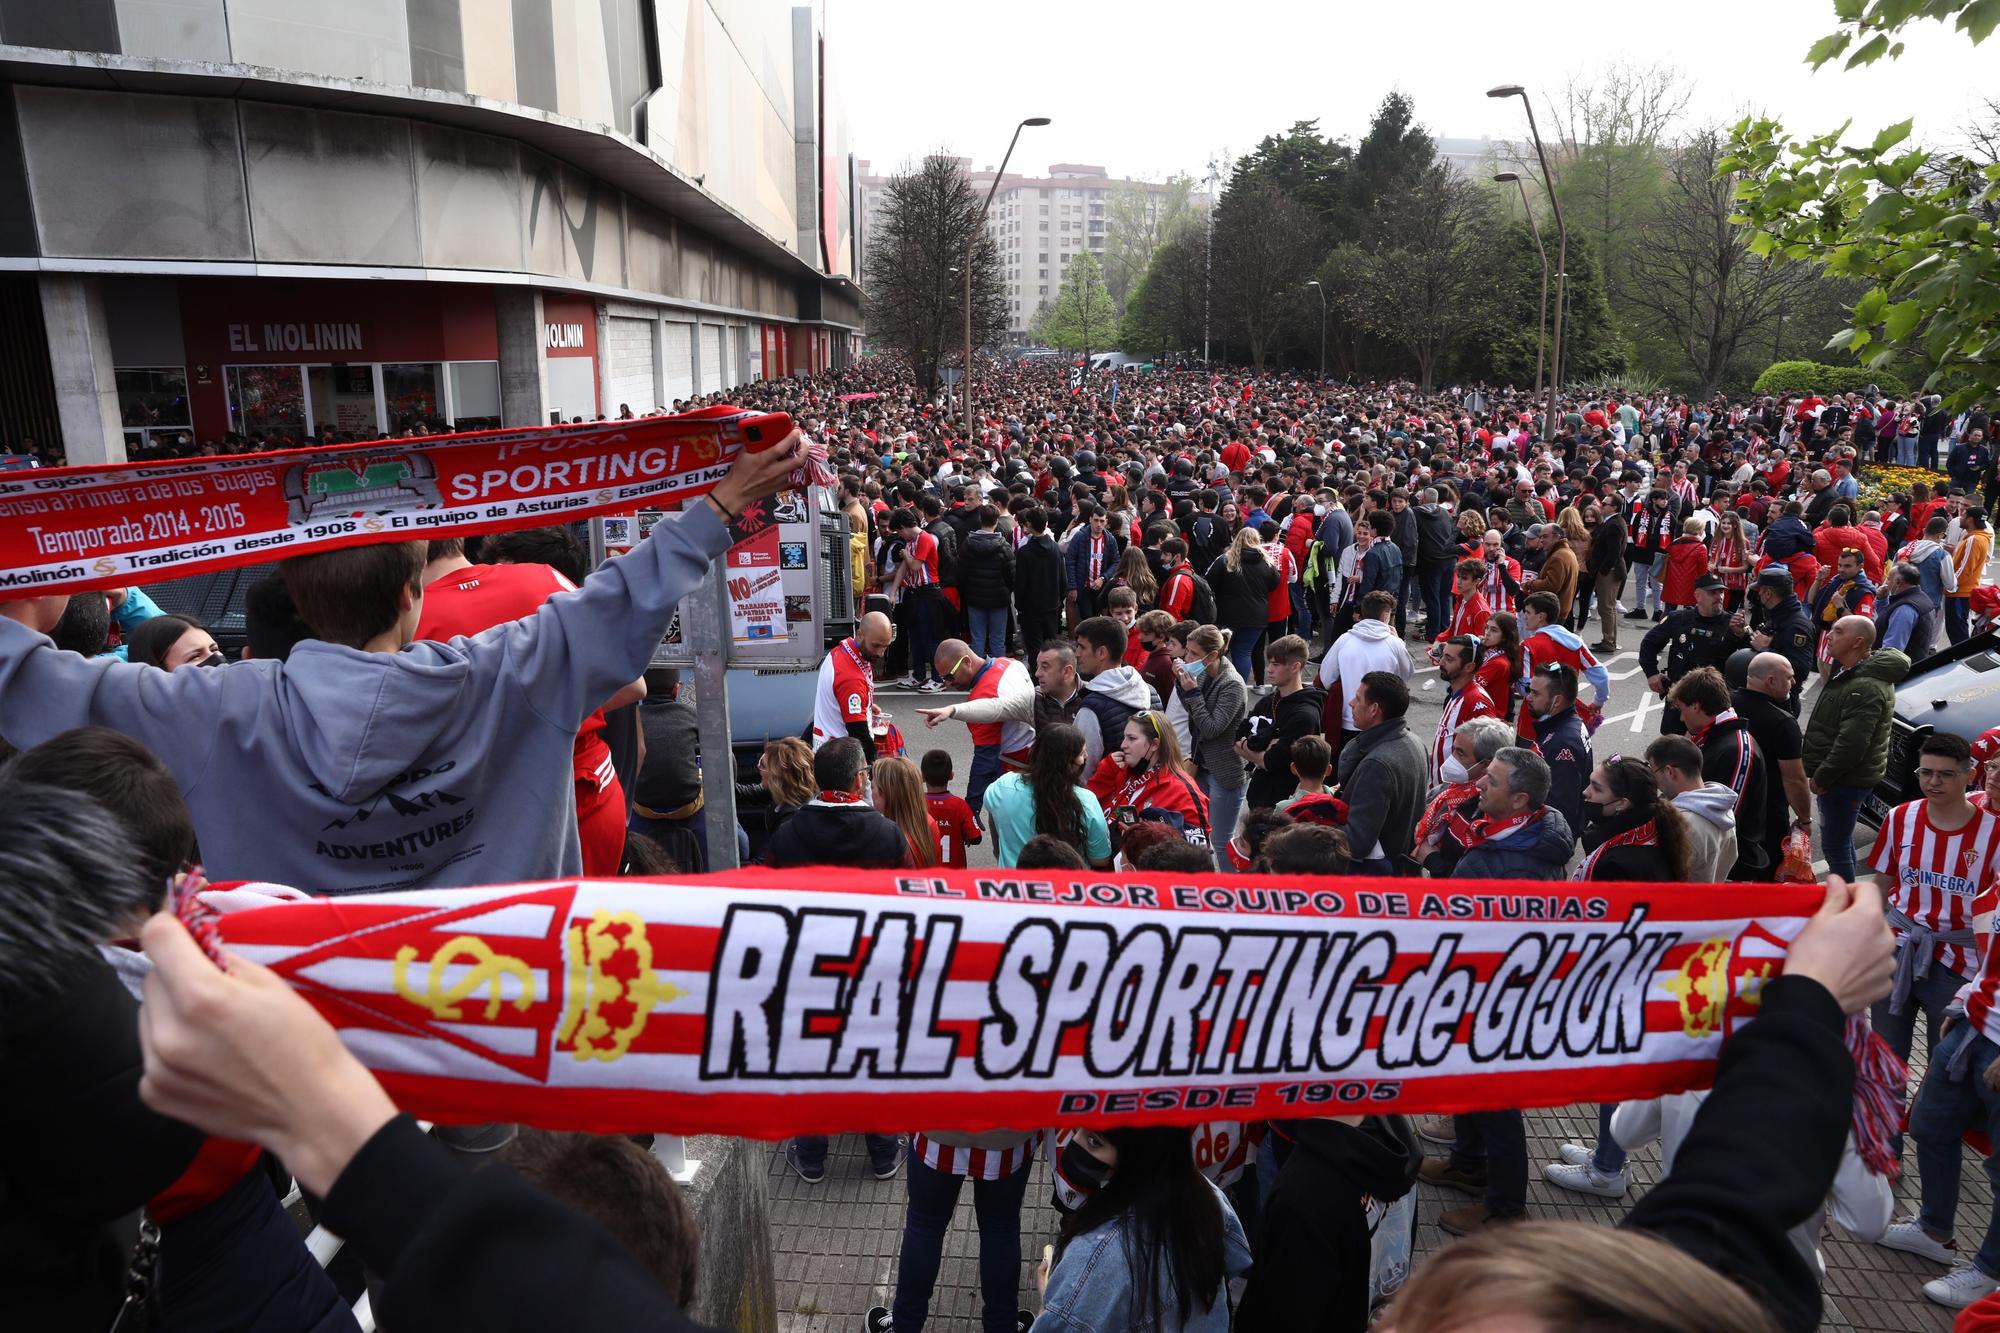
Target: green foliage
<point>1593,349</point>
<point>1876,23</point>
<point>1817,377</point>
<point>1916,226</point>
<point>1165,309</point>
<point>1083,317</point>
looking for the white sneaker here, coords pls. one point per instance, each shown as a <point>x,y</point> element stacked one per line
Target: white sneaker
<point>1575,1154</point>
<point>1960,1287</point>
<point>1437,1128</point>
<point>1913,1239</point>
<point>930,687</point>
<point>1585,1179</point>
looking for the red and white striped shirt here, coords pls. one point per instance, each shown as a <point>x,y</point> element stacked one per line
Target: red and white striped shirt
<point>1940,880</point>
<point>1499,597</point>
<point>1470,702</point>
<point>1468,617</point>
<point>975,1163</point>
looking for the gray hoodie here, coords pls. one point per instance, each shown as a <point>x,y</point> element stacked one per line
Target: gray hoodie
<point>1109,700</point>
<point>1710,811</point>
<point>342,771</point>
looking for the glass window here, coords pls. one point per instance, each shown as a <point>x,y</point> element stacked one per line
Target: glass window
<point>267,403</point>
<point>343,400</point>
<point>475,395</point>
<point>153,397</point>
<point>413,394</point>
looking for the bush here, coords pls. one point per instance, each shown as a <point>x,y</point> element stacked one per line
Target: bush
<point>1816,376</point>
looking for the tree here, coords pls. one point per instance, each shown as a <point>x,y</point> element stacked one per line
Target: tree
<point>1609,161</point>
<point>1165,310</point>
<point>1265,243</point>
<point>1083,317</point>
<point>1395,156</point>
<point>914,297</point>
<point>1917,227</point>
<point>1422,286</point>
<point>1697,275</point>
<point>1504,351</point>
<point>1138,221</point>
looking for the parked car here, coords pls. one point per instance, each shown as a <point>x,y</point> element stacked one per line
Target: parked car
<point>1955,691</point>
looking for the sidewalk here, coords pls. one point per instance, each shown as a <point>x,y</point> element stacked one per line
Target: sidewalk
<point>835,1242</point>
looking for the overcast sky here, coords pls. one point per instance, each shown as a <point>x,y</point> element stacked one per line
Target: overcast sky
<point>1147,89</point>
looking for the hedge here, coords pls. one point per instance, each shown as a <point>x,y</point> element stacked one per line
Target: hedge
<point>1816,376</point>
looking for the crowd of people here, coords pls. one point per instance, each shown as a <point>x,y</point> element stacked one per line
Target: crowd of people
<point>1186,612</point>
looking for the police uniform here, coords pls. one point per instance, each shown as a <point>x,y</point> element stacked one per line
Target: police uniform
<point>1792,637</point>
<point>1692,640</point>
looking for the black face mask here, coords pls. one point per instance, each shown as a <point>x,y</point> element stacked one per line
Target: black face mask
<point>215,659</point>
<point>1083,1170</point>
<point>1593,812</point>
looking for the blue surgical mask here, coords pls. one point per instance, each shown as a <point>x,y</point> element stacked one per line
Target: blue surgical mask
<point>1194,667</point>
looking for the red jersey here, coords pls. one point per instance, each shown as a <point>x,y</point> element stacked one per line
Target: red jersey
<point>1496,677</point>
<point>1493,584</point>
<point>469,601</point>
<point>1177,597</point>
<point>1114,786</point>
<point>1940,880</point>
<point>846,692</point>
<point>1470,702</point>
<point>1468,617</point>
<point>1278,606</point>
<point>956,828</point>
<point>924,574</point>
<point>1235,455</point>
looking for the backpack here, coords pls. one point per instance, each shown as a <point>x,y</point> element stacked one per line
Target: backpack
<point>1201,607</point>
<point>1202,543</point>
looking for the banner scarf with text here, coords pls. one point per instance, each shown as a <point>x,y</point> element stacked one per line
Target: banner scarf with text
<point>75,528</point>
<point>764,1004</point>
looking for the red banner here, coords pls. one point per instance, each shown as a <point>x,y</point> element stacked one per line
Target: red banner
<point>764,1004</point>
<point>69,529</point>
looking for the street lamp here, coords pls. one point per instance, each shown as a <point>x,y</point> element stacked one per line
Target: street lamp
<point>1542,329</point>
<point>971,240</point>
<point>1562,250</point>
<point>1314,284</point>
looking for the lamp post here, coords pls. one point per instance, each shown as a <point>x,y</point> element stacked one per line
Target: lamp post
<point>972,240</point>
<point>1314,284</point>
<point>1562,250</point>
<point>1542,329</point>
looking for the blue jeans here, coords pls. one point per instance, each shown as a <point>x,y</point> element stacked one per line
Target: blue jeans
<point>1957,618</point>
<point>1224,805</point>
<point>1947,1107</point>
<point>997,1206</point>
<point>985,772</point>
<point>1302,612</point>
<point>882,1149</point>
<point>1906,451</point>
<point>1243,650</point>
<point>1495,1142</point>
<point>1609,1159</point>
<point>1646,578</point>
<point>1839,807</point>
<point>989,630</point>
<point>1436,584</point>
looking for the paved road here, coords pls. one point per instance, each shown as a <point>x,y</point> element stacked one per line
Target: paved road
<point>836,1242</point>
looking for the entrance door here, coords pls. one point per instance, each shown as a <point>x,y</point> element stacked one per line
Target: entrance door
<point>343,400</point>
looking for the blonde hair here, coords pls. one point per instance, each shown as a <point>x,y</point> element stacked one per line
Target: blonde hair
<point>1472,522</point>
<point>899,794</point>
<point>1208,639</point>
<point>1573,1275</point>
<point>1246,539</point>
<point>1166,744</point>
<point>788,771</point>
<point>1570,520</point>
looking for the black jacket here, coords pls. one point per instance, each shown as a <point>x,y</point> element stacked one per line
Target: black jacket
<point>1039,579</point>
<point>986,571</point>
<point>1437,537</point>
<point>1644,862</point>
<point>1730,1199</point>
<point>1313,1250</point>
<point>1691,640</point>
<point>1243,595</point>
<point>1606,552</point>
<point>838,835</point>
<point>1403,531</point>
<point>484,1249</point>
<point>1792,636</point>
<point>1561,742</point>
<point>1296,715</point>
<point>1729,755</point>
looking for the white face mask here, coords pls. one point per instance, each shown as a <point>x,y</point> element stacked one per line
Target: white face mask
<point>1453,771</point>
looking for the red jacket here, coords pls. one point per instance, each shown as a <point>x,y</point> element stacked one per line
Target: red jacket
<point>1177,593</point>
<point>1687,560</point>
<point>1829,542</point>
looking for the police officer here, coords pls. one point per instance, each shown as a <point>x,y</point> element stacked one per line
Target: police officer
<point>1775,621</point>
<point>1694,636</point>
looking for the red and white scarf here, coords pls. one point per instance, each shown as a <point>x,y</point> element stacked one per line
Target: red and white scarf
<point>1639,835</point>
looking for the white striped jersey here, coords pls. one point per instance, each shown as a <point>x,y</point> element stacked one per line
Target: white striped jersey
<point>975,1163</point>
<point>1939,879</point>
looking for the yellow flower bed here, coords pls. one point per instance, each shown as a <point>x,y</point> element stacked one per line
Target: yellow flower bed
<point>1879,483</point>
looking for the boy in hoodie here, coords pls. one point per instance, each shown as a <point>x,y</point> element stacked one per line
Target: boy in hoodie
<point>366,762</point>
<point>1314,1248</point>
<point>1112,691</point>
<point>1709,807</point>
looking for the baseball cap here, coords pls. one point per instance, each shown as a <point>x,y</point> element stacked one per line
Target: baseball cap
<point>1709,583</point>
<point>1777,576</point>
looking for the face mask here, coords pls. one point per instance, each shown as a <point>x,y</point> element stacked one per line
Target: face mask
<point>1594,812</point>
<point>1194,666</point>
<point>1451,770</point>
<point>1083,1170</point>
<point>213,660</point>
